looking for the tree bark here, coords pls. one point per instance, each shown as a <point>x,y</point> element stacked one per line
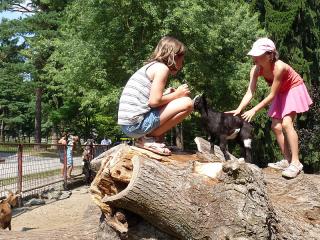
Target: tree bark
<point>2,137</point>
<point>187,206</point>
<point>54,138</point>
<point>37,121</point>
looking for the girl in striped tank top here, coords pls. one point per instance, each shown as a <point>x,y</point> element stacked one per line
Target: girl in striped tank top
<point>288,96</point>
<point>145,108</point>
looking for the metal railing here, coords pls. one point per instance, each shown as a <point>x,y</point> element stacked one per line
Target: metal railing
<point>32,168</point>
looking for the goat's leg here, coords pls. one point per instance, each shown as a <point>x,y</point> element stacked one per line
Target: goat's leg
<point>9,226</point>
<point>248,155</point>
<point>212,144</point>
<point>246,140</point>
<point>242,150</point>
<point>247,147</point>
<point>223,146</point>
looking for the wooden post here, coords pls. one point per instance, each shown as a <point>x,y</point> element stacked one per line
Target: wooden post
<point>19,184</point>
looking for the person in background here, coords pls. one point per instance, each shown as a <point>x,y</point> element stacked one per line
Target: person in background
<point>146,110</point>
<point>105,141</point>
<point>61,150</point>
<point>288,97</point>
<point>71,143</point>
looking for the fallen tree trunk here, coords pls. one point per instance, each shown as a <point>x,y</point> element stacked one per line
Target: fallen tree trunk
<point>168,193</point>
<point>200,196</point>
<point>190,206</point>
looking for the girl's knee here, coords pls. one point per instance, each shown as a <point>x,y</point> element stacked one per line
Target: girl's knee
<point>276,128</point>
<point>287,126</point>
<point>287,122</point>
<point>183,104</point>
<point>188,103</point>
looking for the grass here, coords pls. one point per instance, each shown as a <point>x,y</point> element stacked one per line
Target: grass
<point>33,176</point>
<point>52,153</point>
<point>8,148</point>
<point>29,177</point>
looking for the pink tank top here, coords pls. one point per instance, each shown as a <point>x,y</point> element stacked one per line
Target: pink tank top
<point>289,80</point>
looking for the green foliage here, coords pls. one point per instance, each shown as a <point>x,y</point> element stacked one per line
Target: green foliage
<point>105,126</point>
<point>100,48</point>
<point>15,89</point>
<point>309,133</point>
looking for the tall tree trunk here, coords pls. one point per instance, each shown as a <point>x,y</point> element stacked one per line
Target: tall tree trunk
<point>2,138</point>
<point>54,138</point>
<point>37,122</point>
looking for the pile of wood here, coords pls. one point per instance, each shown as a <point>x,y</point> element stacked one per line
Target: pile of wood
<point>143,195</point>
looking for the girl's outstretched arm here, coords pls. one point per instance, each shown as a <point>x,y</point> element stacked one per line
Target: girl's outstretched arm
<point>278,73</point>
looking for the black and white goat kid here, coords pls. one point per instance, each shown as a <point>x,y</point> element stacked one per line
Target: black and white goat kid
<point>224,127</point>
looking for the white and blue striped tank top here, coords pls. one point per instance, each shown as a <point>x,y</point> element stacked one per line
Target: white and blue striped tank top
<point>135,98</point>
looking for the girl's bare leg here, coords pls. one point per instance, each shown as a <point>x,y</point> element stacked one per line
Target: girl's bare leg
<point>172,114</point>
<point>69,171</point>
<point>282,141</point>
<point>292,137</point>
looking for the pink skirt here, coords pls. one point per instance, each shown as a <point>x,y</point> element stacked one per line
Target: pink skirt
<point>297,100</point>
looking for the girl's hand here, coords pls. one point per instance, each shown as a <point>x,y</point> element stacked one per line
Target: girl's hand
<point>248,115</point>
<point>183,90</point>
<point>234,112</point>
<point>169,90</point>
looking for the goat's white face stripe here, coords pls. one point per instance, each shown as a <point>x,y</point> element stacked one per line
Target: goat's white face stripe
<point>247,143</point>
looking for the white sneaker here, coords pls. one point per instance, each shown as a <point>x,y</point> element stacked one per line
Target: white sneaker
<point>292,171</point>
<point>280,164</point>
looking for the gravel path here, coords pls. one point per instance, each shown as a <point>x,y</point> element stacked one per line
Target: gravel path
<point>76,217</point>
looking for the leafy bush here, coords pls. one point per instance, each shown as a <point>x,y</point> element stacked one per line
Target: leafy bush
<point>309,132</point>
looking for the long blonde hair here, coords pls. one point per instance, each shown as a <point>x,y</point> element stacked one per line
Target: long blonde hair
<point>166,51</point>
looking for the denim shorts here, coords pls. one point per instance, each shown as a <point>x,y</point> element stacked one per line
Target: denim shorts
<point>150,122</point>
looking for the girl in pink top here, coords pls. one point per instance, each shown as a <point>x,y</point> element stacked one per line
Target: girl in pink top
<point>288,96</point>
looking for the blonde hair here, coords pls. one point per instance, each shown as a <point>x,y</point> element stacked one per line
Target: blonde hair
<point>166,51</point>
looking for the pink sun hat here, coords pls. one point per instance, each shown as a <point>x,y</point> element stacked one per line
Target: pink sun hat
<point>261,46</point>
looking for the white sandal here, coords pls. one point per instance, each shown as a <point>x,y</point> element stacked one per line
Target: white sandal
<point>148,144</point>
<point>283,164</point>
<point>292,171</point>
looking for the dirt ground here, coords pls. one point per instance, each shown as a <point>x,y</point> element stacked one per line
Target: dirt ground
<point>76,217</point>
